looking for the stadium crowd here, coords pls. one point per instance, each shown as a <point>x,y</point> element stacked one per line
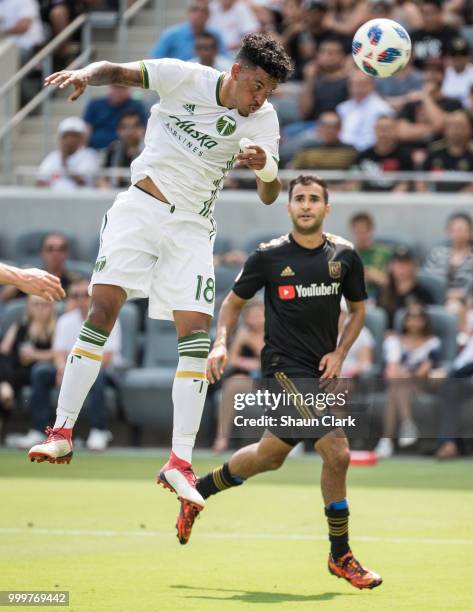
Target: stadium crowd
<point>333,117</point>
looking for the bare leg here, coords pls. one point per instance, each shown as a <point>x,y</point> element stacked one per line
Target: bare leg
<point>390,412</point>
<point>335,453</point>
<point>267,454</point>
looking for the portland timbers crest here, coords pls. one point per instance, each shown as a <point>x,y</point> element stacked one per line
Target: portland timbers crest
<point>226,125</point>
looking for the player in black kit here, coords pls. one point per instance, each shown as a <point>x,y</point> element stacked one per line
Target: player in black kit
<point>304,275</point>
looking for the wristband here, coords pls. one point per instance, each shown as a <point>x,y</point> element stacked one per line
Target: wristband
<point>269,172</point>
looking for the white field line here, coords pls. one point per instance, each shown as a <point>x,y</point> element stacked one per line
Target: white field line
<point>224,536</point>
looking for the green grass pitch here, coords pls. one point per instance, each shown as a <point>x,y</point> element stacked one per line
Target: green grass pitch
<point>101,529</point>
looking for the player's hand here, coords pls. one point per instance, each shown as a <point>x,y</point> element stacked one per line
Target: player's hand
<point>331,365</point>
<point>39,282</point>
<point>256,160</point>
<point>218,359</point>
<point>79,79</point>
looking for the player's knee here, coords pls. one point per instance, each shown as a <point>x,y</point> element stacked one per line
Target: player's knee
<point>339,459</point>
<point>270,461</point>
<point>102,315</point>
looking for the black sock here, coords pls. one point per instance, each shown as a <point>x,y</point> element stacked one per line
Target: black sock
<point>217,480</point>
<point>337,518</point>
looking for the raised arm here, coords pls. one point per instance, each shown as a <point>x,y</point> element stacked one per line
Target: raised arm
<point>98,73</point>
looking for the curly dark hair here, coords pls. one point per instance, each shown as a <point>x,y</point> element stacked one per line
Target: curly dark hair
<point>261,50</point>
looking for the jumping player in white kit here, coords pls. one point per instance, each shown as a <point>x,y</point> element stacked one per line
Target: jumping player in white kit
<point>157,239</point>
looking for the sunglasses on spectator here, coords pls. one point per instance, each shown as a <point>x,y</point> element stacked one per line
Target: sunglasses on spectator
<point>415,315</point>
<point>205,47</point>
<point>79,294</point>
<point>52,248</point>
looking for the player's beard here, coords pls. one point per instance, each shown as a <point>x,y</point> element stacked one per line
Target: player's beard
<point>308,230</point>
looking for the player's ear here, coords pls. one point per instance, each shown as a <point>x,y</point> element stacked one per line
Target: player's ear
<point>235,71</point>
<point>328,209</point>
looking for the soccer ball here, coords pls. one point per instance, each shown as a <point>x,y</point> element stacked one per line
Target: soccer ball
<point>381,47</point>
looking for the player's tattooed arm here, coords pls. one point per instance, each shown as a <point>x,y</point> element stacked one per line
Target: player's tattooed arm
<point>97,73</point>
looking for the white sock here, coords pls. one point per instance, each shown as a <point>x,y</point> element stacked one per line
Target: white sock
<point>189,391</point>
<point>82,369</point>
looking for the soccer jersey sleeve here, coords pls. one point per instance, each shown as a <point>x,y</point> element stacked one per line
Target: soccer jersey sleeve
<point>165,75</point>
<point>353,287</point>
<point>251,279</point>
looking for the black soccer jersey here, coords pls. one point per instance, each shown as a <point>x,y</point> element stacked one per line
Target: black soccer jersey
<point>302,293</point>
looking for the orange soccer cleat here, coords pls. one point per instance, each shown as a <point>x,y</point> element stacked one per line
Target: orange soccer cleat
<point>185,521</point>
<point>178,476</point>
<point>349,568</point>
<point>57,448</point>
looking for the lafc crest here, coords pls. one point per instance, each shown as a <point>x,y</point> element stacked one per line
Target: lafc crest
<point>335,269</point>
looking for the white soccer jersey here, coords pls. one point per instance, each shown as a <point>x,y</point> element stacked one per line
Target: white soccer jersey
<point>191,140</point>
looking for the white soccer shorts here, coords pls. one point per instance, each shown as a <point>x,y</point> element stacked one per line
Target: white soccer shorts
<point>152,252</point>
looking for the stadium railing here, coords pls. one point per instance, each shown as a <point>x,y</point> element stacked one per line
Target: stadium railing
<point>23,175</point>
<point>128,14</point>
<point>45,59</point>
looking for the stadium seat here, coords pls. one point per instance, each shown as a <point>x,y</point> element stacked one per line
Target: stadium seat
<point>376,321</point>
<point>224,278</point>
<point>444,325</point>
<point>434,284</point>
<point>394,240</point>
<point>160,349</point>
<point>222,245</point>
<point>129,320</point>
<point>147,400</point>
<point>28,245</point>
<point>13,312</point>
<point>81,268</point>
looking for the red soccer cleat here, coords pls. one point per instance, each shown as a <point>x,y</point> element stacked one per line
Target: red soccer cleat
<point>187,515</point>
<point>57,448</point>
<point>177,476</point>
<point>349,568</point>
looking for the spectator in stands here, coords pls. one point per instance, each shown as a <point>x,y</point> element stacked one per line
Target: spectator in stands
<point>453,262</point>
<point>346,16</point>
<point>178,41</point>
<point>328,152</point>
<point>456,390</point>
<point>120,153</point>
<point>46,376</point>
<point>431,41</point>
<point>244,368</point>
<point>453,153</point>
<point>360,112</point>
<point>326,83</point>
<point>72,165</point>
<point>374,255</point>
<point>386,155</point>
<point>410,357</point>
<point>406,13</point>
<point>206,49</point>
<point>24,344</point>
<point>20,22</point>
<point>402,287</point>
<point>102,115</point>
<point>58,14</point>
<point>54,253</point>
<point>401,88</point>
<point>423,117</point>
<point>458,79</point>
<point>233,19</point>
<point>360,357</point>
<point>303,36</point>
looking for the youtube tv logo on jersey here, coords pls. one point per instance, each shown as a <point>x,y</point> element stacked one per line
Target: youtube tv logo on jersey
<point>287,292</point>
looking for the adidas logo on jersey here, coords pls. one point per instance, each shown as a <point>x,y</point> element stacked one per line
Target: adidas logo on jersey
<point>190,108</point>
<point>288,271</point>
